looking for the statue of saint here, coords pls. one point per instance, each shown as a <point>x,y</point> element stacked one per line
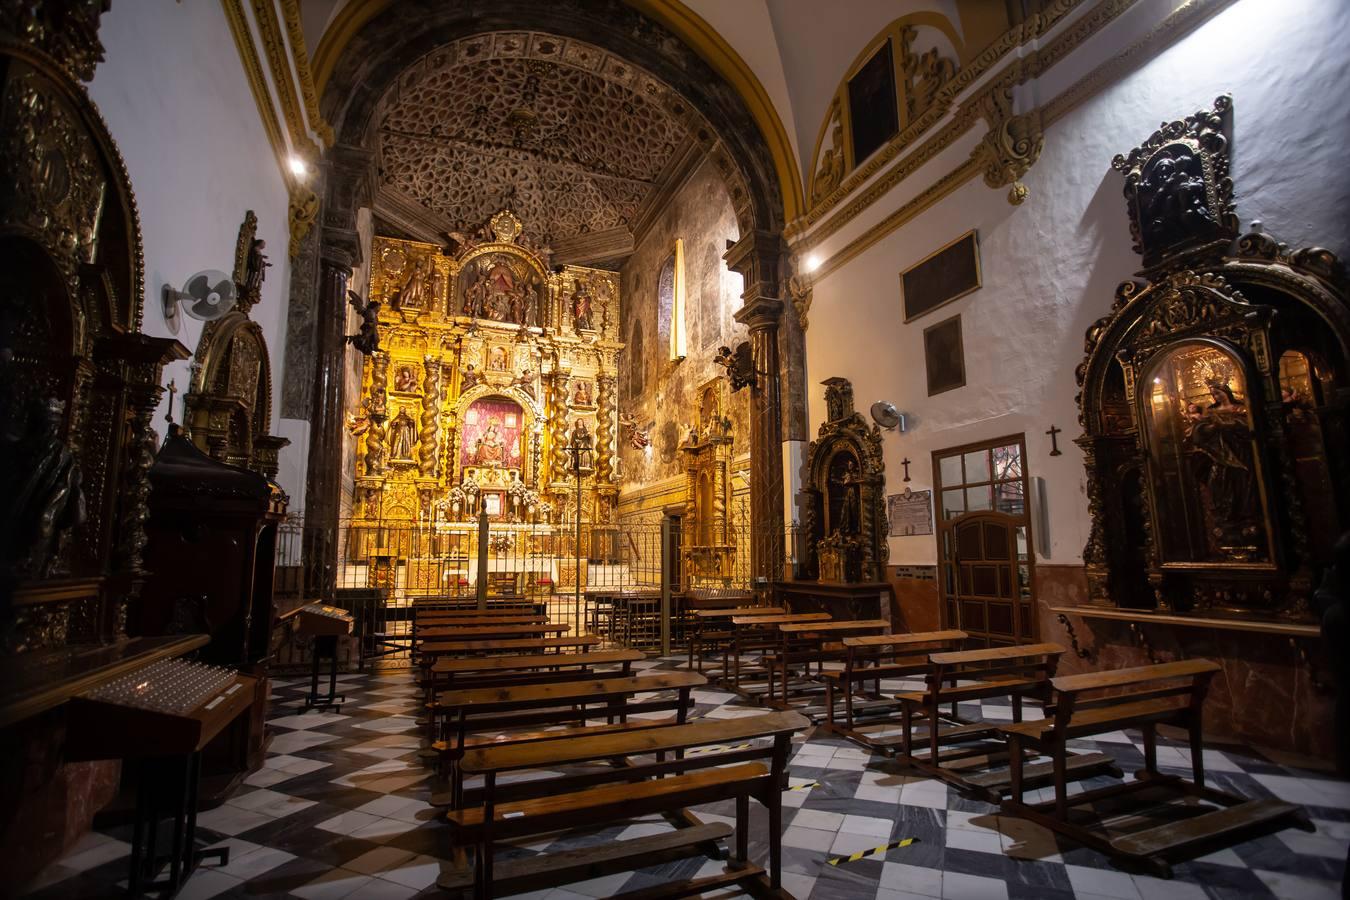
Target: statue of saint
<point>46,499</point>
<point>413,294</point>
<point>255,268</point>
<point>581,308</point>
<point>404,432</point>
<point>489,449</point>
<point>1220,442</point>
<point>850,517</point>
<point>469,378</point>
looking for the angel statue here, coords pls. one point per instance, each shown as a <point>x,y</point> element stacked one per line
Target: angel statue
<point>638,438</point>
<point>367,339</point>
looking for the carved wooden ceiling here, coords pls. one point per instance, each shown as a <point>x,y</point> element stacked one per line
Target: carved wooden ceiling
<point>572,138</point>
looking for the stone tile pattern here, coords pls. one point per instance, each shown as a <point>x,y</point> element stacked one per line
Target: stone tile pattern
<point>339,811</point>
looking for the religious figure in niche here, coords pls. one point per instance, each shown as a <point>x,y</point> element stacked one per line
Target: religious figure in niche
<point>1219,441</point>
<point>435,287</point>
<point>1173,205</point>
<point>488,449</point>
<point>403,431</point>
<point>845,482</point>
<point>498,295</point>
<point>45,500</point>
<point>581,308</point>
<point>583,394</point>
<point>405,379</point>
<point>469,378</point>
<point>497,359</point>
<point>413,294</point>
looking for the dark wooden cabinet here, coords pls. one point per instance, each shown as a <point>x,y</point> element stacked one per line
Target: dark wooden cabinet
<point>210,554</point>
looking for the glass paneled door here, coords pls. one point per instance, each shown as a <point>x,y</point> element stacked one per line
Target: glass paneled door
<point>984,542</point>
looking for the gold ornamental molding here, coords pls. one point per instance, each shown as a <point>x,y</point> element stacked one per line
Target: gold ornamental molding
<point>303,202</point>
<point>1181,21</point>
<point>295,31</point>
<point>1032,29</point>
<point>992,103</point>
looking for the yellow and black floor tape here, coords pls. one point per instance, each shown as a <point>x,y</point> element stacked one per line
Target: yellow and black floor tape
<point>804,787</point>
<point>862,854</point>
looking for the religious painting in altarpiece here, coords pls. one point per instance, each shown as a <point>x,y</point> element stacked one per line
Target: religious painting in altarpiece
<point>488,360</point>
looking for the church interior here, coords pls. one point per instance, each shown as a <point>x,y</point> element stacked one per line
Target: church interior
<point>883,449</point>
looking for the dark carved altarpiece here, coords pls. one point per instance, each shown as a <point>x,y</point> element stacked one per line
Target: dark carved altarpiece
<point>1213,399</point>
<point>78,382</point>
<point>844,499</point>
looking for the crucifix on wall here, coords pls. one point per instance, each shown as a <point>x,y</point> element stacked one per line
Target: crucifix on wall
<point>905,463</point>
<point>1054,441</point>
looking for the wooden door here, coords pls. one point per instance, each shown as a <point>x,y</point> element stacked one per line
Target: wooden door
<point>984,542</point>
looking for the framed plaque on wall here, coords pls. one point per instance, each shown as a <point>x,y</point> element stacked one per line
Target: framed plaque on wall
<point>946,274</point>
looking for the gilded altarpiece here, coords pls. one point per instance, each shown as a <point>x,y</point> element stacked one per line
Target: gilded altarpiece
<point>708,538</point>
<point>1213,399</point>
<point>488,361</point>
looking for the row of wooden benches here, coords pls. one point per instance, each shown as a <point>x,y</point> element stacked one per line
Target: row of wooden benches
<point>468,692</point>
<point>509,694</point>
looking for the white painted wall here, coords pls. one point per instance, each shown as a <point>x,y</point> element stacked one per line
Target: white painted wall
<point>1051,265</point>
<point>176,99</point>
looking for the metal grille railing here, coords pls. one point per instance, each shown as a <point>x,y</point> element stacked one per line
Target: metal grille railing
<point>625,583</point>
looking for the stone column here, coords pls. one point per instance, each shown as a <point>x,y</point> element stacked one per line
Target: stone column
<point>756,258</point>
<point>323,480</point>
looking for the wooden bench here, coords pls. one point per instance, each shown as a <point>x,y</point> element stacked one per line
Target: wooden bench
<point>871,658</point>
<point>756,633</point>
<point>667,784</point>
<point>461,713</point>
<point>804,643</point>
<point>975,764</point>
<point>701,638</point>
<point>488,632</point>
<point>1144,697</point>
<point>517,645</point>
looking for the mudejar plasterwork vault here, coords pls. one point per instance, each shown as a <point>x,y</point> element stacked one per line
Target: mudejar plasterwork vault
<point>487,363</point>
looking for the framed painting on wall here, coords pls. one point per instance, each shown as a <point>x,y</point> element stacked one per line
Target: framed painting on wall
<point>944,356</point>
<point>874,115</point>
<point>942,276</point>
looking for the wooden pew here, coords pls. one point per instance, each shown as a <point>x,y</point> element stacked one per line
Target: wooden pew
<point>974,764</point>
<point>517,645</point>
<point>1144,697</point>
<point>803,643</point>
<point>462,713</point>
<point>503,671</point>
<point>489,632</point>
<point>872,658</point>
<point>639,787</point>
<point>756,633</point>
<point>719,618</point>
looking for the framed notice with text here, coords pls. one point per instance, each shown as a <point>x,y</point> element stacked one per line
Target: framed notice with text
<point>910,513</point>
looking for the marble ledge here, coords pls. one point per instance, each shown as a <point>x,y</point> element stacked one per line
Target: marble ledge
<point>1144,617</point>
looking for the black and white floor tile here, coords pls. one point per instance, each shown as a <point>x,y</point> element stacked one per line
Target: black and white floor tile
<point>339,813</point>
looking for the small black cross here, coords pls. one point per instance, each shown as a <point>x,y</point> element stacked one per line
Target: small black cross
<point>1054,441</point>
<point>173,391</point>
<point>905,463</point>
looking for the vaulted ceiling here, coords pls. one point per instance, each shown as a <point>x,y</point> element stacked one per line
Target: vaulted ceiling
<point>576,141</point>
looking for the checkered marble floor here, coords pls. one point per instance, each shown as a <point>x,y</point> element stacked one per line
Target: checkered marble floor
<point>339,811</point>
